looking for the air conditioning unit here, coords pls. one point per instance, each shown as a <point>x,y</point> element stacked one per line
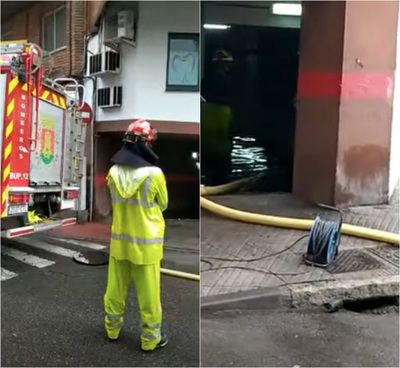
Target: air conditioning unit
<point>126,25</point>
<point>119,28</point>
<point>109,97</point>
<point>104,63</point>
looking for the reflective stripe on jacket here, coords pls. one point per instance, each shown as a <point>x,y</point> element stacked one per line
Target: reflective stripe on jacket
<point>139,196</point>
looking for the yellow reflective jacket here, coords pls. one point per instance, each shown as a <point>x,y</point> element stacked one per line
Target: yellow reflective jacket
<point>139,196</point>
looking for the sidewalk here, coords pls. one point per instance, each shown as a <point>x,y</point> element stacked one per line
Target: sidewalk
<point>181,240</point>
<point>363,268</point>
<point>179,233</point>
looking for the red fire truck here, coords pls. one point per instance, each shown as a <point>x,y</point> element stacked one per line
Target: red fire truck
<point>42,137</point>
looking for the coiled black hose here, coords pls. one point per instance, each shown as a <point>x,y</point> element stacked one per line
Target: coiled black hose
<point>324,240</point>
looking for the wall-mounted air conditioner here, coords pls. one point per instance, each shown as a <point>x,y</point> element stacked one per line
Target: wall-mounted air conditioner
<point>119,28</point>
<point>104,63</point>
<point>126,25</point>
<point>109,97</point>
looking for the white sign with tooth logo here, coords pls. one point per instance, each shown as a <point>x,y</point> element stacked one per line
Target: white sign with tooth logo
<point>183,65</point>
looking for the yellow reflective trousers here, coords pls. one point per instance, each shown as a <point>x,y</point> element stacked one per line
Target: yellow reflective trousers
<point>146,279</point>
<point>139,196</point>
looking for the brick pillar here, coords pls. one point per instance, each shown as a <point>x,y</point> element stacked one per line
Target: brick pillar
<point>344,108</point>
<point>78,9</point>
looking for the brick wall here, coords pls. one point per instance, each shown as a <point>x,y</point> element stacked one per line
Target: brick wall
<point>78,36</point>
<point>64,62</point>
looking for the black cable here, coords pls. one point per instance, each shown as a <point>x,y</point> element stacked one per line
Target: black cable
<point>257,270</point>
<point>204,259</point>
<point>276,274</point>
<point>209,263</point>
<point>284,283</point>
<point>240,268</point>
<point>321,231</point>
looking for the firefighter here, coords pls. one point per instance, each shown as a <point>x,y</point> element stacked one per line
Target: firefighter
<point>139,196</point>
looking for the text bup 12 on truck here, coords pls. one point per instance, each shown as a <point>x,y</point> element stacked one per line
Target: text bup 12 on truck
<point>42,140</point>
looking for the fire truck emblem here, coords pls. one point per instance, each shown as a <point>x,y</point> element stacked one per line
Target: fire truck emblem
<point>47,142</point>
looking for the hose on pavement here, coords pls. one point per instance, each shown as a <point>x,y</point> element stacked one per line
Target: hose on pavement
<point>180,274</point>
<point>284,222</point>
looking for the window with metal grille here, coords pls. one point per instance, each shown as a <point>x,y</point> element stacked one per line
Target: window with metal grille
<point>112,60</point>
<point>103,96</point>
<point>110,96</point>
<point>95,64</point>
<point>117,95</point>
<point>108,61</point>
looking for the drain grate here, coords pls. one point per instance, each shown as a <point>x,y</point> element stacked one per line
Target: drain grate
<point>387,252</point>
<point>354,260</point>
<point>373,305</point>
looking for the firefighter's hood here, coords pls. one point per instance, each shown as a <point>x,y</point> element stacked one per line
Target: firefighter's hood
<point>135,155</point>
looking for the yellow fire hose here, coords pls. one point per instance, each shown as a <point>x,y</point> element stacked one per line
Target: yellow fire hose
<point>180,274</point>
<point>284,222</point>
<point>33,218</point>
<point>224,188</point>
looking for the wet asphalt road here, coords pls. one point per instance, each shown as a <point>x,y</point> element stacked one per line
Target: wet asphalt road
<point>54,317</point>
<point>299,338</point>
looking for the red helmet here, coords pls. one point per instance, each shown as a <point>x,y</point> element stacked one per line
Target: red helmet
<point>140,129</point>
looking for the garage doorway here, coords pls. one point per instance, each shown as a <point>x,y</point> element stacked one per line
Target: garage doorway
<point>249,80</point>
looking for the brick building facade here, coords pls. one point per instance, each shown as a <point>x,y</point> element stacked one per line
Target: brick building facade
<point>27,22</point>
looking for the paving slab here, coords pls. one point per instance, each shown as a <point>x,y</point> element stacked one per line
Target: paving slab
<point>246,258</point>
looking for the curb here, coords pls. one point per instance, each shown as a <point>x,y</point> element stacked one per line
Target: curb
<point>275,297</point>
<point>319,293</point>
<point>304,295</point>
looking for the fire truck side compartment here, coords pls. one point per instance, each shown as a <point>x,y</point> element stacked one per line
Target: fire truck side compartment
<point>47,158</point>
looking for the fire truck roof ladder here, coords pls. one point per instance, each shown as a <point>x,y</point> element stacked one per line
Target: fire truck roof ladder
<point>72,86</point>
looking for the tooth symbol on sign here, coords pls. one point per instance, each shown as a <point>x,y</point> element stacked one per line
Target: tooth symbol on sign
<point>183,66</point>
